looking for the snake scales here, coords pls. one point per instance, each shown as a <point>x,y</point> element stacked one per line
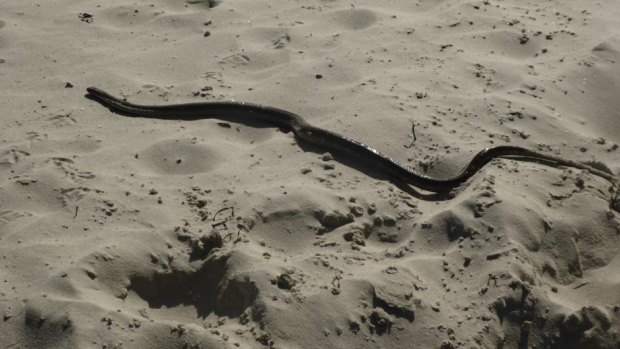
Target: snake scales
<point>243,112</point>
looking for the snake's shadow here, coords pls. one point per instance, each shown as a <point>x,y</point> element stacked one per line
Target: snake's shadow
<point>370,171</point>
<point>341,157</point>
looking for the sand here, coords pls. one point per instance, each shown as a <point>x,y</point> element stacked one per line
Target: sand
<point>120,232</point>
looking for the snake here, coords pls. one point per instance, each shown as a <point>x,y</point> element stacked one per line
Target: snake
<point>243,112</point>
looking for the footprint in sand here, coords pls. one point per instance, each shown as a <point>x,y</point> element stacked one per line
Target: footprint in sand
<point>235,60</point>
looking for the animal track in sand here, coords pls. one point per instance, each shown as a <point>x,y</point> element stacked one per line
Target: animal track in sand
<point>62,119</point>
<point>71,195</point>
<point>10,216</point>
<point>65,165</point>
<point>35,136</point>
<point>210,3</point>
<point>12,156</point>
<point>281,41</point>
<point>235,60</point>
<point>266,37</point>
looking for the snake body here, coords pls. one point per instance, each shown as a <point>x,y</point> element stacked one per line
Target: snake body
<point>243,112</point>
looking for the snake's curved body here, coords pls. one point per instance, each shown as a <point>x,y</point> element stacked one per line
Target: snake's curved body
<point>243,112</point>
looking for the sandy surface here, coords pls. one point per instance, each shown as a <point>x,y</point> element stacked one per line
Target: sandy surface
<point>121,232</point>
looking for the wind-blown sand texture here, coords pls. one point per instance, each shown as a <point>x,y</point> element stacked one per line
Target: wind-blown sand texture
<point>120,232</point>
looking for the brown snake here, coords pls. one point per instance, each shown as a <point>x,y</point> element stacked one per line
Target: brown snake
<point>242,112</point>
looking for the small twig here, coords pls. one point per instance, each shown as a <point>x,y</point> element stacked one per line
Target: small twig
<point>224,209</point>
<point>580,285</point>
<point>76,211</point>
<point>414,136</point>
<point>215,225</point>
<point>223,222</point>
<point>238,237</point>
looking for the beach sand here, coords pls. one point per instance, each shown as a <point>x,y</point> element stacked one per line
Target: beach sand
<point>119,232</point>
